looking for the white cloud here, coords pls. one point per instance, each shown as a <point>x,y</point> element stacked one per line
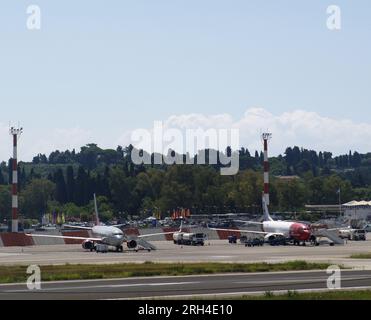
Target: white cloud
<point>301,128</point>
<point>31,144</point>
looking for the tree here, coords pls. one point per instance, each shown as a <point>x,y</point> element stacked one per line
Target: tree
<point>81,187</point>
<point>34,198</point>
<point>70,184</point>
<point>61,190</point>
<point>5,203</point>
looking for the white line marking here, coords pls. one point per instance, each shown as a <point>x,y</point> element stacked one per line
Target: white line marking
<point>107,286</point>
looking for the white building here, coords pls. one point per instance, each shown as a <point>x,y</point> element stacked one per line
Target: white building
<point>357,210</point>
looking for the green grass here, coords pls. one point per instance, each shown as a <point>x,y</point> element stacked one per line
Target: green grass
<point>361,256</point>
<point>327,295</point>
<point>12,274</point>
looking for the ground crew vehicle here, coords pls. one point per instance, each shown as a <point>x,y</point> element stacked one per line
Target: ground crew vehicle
<point>190,239</point>
<point>353,234</point>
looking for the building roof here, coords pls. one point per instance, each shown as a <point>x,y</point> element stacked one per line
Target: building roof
<point>354,203</point>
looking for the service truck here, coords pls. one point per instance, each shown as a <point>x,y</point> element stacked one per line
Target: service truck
<point>190,239</point>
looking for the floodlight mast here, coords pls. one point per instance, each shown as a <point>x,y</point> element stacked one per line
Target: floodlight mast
<point>15,133</point>
<point>266,137</point>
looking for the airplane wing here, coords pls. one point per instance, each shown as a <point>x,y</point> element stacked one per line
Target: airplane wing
<point>62,237</point>
<point>77,227</point>
<point>156,234</point>
<point>266,234</point>
<point>242,231</point>
<point>249,222</point>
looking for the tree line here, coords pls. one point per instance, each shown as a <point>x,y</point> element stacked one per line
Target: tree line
<point>65,182</point>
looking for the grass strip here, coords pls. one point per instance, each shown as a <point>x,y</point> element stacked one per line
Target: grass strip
<point>325,295</point>
<point>361,256</point>
<point>13,274</point>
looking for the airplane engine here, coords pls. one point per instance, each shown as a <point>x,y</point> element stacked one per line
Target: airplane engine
<point>88,245</point>
<point>132,244</point>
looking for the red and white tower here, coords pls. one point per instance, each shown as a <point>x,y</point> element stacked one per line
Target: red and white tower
<point>15,132</point>
<point>266,137</point>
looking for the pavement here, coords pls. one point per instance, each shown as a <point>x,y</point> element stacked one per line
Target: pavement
<point>213,251</point>
<point>185,286</point>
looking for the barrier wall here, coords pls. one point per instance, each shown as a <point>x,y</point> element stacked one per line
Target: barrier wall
<point>42,241</point>
<point>160,237</point>
<point>79,233</point>
<point>16,240</point>
<point>20,239</point>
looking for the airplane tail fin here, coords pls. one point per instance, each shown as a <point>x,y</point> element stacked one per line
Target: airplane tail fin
<point>97,222</point>
<point>181,225</point>
<point>266,215</point>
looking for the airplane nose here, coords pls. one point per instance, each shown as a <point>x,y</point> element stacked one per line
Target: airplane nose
<point>307,234</point>
<point>119,239</point>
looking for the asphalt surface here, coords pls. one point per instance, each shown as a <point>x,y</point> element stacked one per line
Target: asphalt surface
<point>184,286</point>
<point>213,251</point>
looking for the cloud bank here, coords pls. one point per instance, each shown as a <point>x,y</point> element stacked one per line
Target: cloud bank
<point>302,128</point>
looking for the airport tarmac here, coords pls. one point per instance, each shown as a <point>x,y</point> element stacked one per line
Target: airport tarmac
<point>213,251</point>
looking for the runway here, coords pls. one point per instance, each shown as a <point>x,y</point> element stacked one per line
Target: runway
<point>213,251</point>
<point>185,286</point>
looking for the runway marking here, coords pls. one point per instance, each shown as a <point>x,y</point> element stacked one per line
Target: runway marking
<point>6,254</point>
<point>106,286</point>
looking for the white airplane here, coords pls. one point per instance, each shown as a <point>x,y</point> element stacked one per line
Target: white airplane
<point>274,230</point>
<point>108,235</point>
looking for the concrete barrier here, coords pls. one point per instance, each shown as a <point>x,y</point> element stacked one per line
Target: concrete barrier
<point>223,235</point>
<point>160,237</point>
<point>131,231</point>
<point>79,233</point>
<point>42,241</point>
<point>20,239</point>
<point>16,240</point>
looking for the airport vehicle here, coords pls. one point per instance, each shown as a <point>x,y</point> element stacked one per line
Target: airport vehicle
<point>188,238</point>
<point>111,236</point>
<point>352,234</point>
<point>232,239</point>
<point>193,239</point>
<point>254,242</point>
<point>277,232</point>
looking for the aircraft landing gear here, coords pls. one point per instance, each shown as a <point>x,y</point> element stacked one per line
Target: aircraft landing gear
<point>119,249</point>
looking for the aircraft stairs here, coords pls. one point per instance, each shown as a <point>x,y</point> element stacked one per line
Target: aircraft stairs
<point>145,244</point>
<point>331,235</point>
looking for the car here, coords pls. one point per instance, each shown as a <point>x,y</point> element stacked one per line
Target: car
<point>254,242</point>
<point>232,239</point>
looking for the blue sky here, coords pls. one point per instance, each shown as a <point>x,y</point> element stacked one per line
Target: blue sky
<point>98,69</point>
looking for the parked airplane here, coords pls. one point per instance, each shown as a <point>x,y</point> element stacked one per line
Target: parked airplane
<point>107,235</point>
<point>278,230</point>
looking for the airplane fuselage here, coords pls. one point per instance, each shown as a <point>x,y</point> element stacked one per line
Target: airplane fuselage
<point>111,236</point>
<point>291,230</point>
